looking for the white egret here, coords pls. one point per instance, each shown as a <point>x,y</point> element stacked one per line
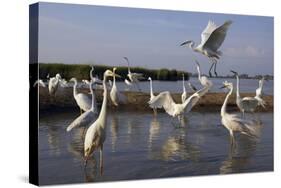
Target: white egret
<point>115,96</point>
<point>245,104</point>
<point>40,83</point>
<point>259,93</point>
<point>83,100</point>
<point>165,100</point>
<point>184,94</point>
<point>232,122</point>
<point>95,135</point>
<point>152,96</point>
<point>87,117</point>
<point>54,84</point>
<point>203,79</point>
<point>211,39</point>
<point>134,77</point>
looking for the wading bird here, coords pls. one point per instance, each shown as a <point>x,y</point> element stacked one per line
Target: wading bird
<point>87,117</point>
<point>246,104</point>
<point>203,79</point>
<point>259,93</point>
<point>83,100</point>
<point>54,84</point>
<point>211,39</point>
<point>232,122</point>
<point>95,135</point>
<point>152,96</point>
<point>134,77</point>
<point>40,83</point>
<point>115,96</point>
<point>165,100</point>
<point>184,94</point>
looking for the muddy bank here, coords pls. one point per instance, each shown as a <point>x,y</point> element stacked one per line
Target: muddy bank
<point>138,100</point>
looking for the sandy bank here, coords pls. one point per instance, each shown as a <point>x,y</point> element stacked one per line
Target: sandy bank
<point>138,100</point>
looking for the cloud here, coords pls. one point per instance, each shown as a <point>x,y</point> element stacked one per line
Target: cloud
<point>247,51</point>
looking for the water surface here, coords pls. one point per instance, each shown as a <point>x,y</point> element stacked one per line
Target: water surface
<point>140,146</point>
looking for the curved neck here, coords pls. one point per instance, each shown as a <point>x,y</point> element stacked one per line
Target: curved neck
<point>129,71</point>
<point>93,96</point>
<point>75,88</point>
<point>102,116</point>
<point>151,89</point>
<point>183,86</point>
<point>237,87</point>
<point>199,73</point>
<point>223,108</point>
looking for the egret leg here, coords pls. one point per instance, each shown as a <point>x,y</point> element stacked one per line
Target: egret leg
<point>210,74</point>
<point>155,112</point>
<point>215,69</point>
<point>101,159</point>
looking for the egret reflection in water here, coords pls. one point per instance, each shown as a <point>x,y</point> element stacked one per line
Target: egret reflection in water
<point>138,145</point>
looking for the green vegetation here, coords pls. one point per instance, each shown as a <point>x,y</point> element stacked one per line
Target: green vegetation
<point>81,71</point>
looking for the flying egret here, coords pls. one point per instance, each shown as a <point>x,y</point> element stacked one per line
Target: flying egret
<point>232,122</point>
<point>83,100</point>
<point>183,95</point>
<point>211,39</point>
<point>152,96</point>
<point>246,104</point>
<point>95,135</point>
<point>134,77</point>
<point>165,100</point>
<point>203,79</point>
<point>115,96</point>
<point>54,84</point>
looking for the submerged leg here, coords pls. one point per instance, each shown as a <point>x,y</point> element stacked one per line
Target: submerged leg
<point>101,159</point>
<point>155,111</point>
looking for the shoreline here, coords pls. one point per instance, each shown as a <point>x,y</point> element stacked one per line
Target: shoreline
<point>138,100</point>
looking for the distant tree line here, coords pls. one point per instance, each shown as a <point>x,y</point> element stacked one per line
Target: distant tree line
<point>81,71</point>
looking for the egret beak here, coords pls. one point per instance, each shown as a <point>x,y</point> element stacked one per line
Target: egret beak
<point>184,43</point>
<point>222,87</point>
<point>234,72</point>
<point>117,75</point>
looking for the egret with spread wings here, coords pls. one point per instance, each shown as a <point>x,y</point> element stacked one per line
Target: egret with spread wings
<point>211,39</point>
<point>166,101</point>
<point>134,77</point>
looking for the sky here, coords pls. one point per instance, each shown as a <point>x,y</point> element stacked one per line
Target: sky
<point>150,38</point>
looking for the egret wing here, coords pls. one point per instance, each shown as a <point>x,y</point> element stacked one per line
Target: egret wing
<point>217,37</point>
<point>164,100</point>
<point>84,119</point>
<point>207,31</point>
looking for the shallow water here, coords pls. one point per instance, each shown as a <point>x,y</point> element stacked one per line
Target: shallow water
<point>140,146</point>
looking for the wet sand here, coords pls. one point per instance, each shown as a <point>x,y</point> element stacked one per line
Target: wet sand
<point>138,100</point>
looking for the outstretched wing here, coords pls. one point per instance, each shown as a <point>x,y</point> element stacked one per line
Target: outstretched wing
<point>128,82</point>
<point>217,37</point>
<point>163,100</point>
<point>83,120</point>
<point>190,102</point>
<point>207,31</point>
